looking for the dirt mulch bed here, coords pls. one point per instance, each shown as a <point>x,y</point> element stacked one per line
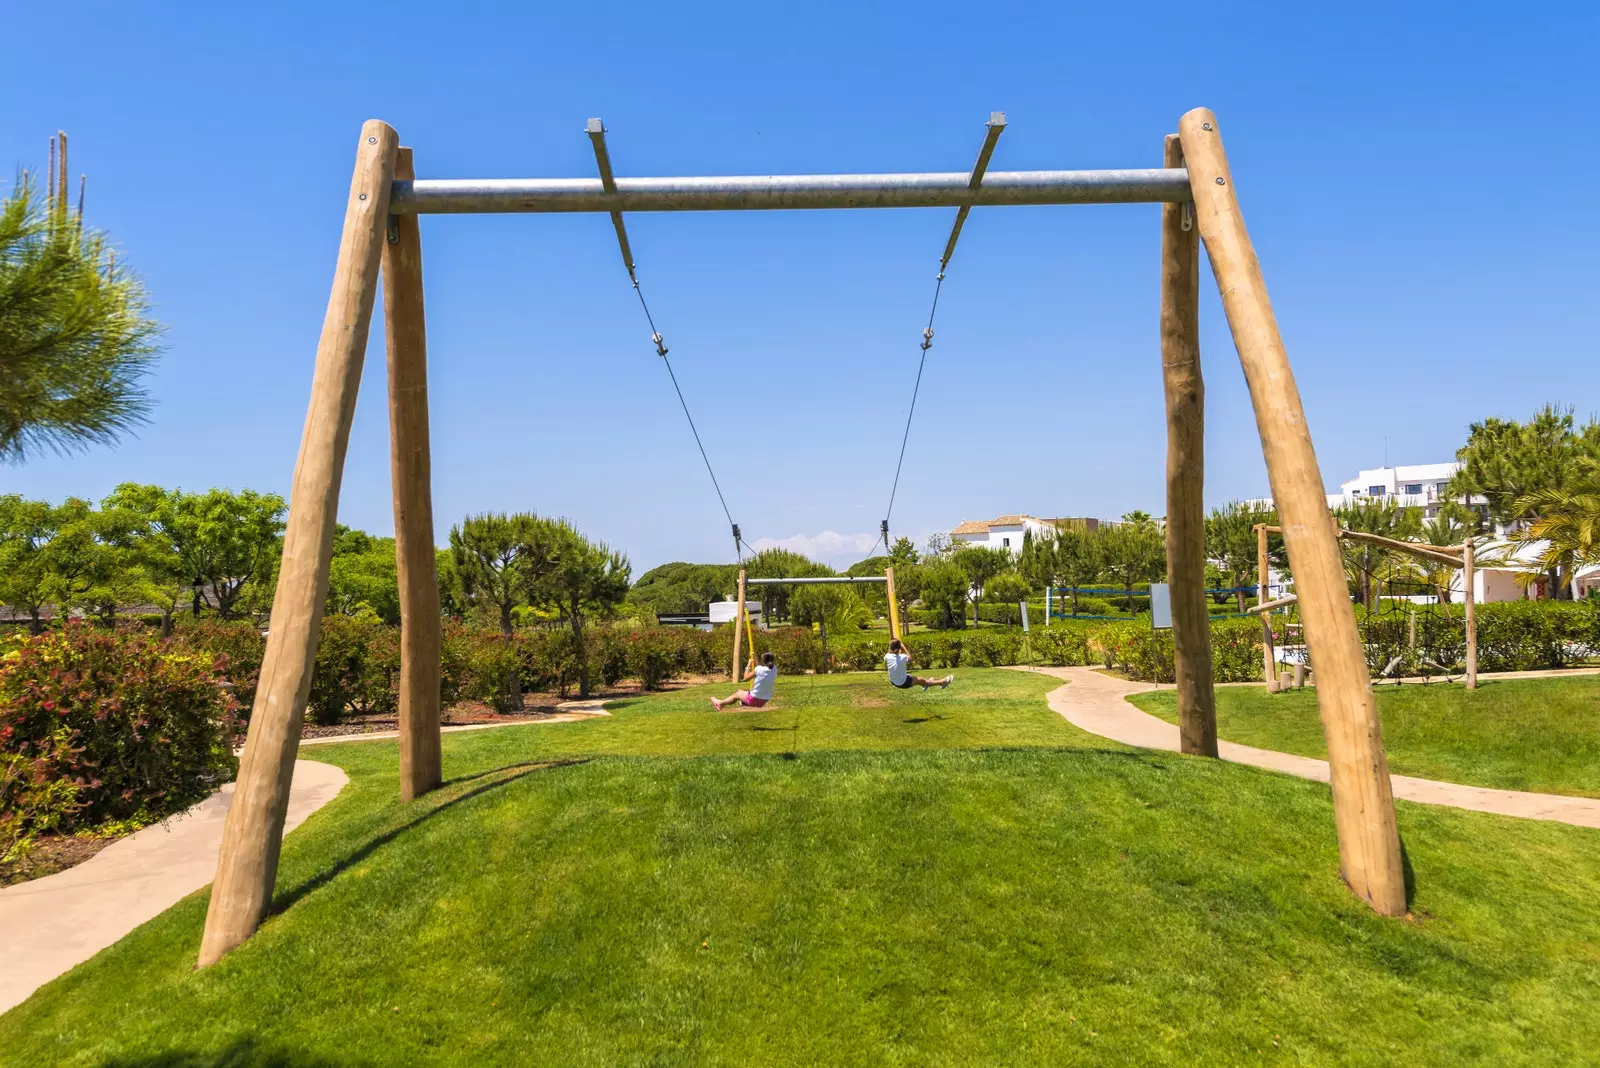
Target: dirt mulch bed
<point>52,853</point>
<point>535,706</point>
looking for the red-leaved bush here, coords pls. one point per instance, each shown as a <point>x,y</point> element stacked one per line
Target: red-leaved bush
<point>138,729</point>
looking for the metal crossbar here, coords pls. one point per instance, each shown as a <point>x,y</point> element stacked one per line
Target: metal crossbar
<point>824,581</point>
<point>952,189</point>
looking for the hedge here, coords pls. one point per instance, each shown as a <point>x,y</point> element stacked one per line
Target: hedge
<point>357,665</point>
<point>102,726</point>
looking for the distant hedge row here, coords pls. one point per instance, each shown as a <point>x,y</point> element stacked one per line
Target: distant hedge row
<point>358,663</point>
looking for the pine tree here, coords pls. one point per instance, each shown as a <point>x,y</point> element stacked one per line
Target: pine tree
<point>75,337</point>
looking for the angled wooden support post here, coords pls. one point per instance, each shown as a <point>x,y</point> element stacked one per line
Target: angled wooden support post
<point>253,832</point>
<point>737,672</point>
<point>894,603</point>
<point>1363,804</point>
<point>411,468</point>
<point>1469,578</point>
<point>1186,518</point>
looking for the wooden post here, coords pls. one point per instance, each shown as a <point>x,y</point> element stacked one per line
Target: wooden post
<point>1469,573</point>
<point>411,470</point>
<point>253,832</point>
<point>738,631</point>
<point>894,604</point>
<point>1269,659</point>
<point>1186,438</point>
<point>1363,803</point>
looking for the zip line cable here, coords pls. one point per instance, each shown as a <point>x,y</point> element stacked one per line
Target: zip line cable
<point>927,343</point>
<point>597,137</point>
<point>661,350</point>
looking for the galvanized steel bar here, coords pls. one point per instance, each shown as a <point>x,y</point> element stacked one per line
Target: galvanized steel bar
<point>454,196</point>
<point>825,581</point>
<point>608,181</point>
<point>997,126</point>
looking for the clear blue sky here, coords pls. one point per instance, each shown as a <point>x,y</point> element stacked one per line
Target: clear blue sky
<point>1419,182</point>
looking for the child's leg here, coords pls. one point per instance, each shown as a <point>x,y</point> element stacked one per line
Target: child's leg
<point>738,695</point>
<point>917,680</point>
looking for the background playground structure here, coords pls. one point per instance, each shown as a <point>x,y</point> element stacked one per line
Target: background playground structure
<point>1462,556</point>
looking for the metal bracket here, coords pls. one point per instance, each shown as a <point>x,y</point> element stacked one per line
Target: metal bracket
<point>996,127</point>
<point>1186,218</point>
<point>596,129</point>
<point>394,230</point>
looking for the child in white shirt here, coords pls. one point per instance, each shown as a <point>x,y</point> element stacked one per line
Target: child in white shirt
<point>899,660</point>
<point>764,676</point>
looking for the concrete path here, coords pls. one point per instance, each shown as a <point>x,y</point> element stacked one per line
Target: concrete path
<point>50,924</point>
<point>1097,703</point>
<point>566,712</point>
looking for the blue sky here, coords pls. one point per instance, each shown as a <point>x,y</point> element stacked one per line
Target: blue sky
<point>1418,180</point>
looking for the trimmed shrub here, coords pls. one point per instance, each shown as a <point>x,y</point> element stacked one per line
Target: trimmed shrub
<point>240,645</point>
<point>138,729</point>
<point>357,670</point>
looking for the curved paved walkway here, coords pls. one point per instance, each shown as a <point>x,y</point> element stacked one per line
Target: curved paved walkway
<point>566,712</point>
<point>50,924</point>
<point>1097,703</point>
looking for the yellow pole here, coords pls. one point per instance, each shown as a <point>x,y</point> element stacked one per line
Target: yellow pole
<point>894,604</point>
<point>738,632</point>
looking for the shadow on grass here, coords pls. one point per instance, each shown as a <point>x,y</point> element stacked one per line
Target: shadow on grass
<point>923,719</point>
<point>492,779</point>
<point>1409,875</point>
<point>243,1053</point>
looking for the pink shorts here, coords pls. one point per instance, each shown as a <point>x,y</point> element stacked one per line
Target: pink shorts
<point>752,702</point>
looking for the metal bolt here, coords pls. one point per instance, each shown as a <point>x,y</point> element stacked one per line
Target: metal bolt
<point>363,196</point>
<point>1221,180</point>
<point>374,140</point>
<point>1205,126</point>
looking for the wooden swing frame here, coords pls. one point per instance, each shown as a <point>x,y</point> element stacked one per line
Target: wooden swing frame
<point>381,234</point>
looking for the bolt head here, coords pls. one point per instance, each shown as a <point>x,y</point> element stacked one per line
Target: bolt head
<point>374,140</point>
<point>1205,126</point>
<point>363,196</point>
<point>1221,180</point>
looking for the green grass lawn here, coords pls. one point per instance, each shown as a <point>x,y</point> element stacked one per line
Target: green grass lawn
<point>1511,734</point>
<point>855,876</point>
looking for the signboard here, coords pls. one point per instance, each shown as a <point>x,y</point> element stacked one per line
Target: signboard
<point>1160,606</point>
<point>728,611</point>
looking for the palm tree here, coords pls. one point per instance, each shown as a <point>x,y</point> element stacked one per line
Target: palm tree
<point>1364,561</point>
<point>1442,530</point>
<point>1567,523</point>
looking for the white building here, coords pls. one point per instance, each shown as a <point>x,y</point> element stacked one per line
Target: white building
<point>1407,486</point>
<point>1507,571</point>
<point>1007,531</point>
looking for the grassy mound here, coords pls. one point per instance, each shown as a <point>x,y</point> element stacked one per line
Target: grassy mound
<point>899,878</point>
<point>1511,734</point>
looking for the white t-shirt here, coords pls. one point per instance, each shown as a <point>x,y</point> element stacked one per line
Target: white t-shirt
<point>766,678</point>
<point>897,667</point>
